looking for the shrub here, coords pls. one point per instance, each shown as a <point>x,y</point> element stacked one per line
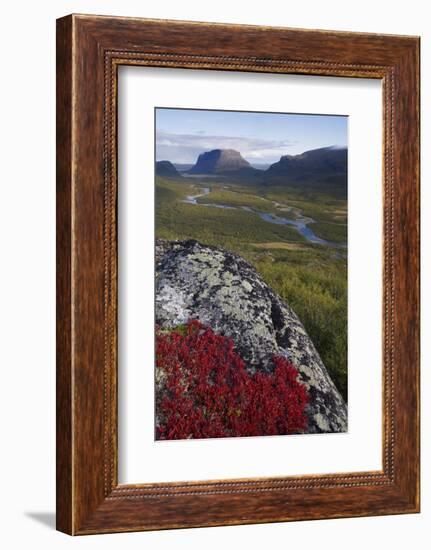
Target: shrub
<point>318,295</point>
<point>204,389</point>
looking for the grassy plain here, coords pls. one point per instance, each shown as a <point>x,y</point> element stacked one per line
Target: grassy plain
<point>311,278</point>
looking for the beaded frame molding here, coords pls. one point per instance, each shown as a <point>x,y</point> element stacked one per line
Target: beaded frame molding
<point>89,51</point>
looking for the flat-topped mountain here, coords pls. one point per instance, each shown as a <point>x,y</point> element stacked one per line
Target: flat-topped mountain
<point>218,161</point>
<point>324,162</point>
<point>166,169</point>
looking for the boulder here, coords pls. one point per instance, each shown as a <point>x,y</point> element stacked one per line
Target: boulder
<point>223,291</point>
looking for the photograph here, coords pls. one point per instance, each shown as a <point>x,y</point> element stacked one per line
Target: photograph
<point>213,285</point>
<point>251,250</point>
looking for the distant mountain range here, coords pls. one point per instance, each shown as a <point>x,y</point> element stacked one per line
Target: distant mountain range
<point>309,169</point>
<point>183,167</point>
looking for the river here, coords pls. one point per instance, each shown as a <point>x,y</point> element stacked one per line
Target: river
<point>301,224</point>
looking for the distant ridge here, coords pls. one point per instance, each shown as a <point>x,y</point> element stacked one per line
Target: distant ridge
<point>166,169</point>
<point>183,167</point>
<point>322,163</point>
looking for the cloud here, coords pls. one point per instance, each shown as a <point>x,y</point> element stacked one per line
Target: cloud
<point>187,147</point>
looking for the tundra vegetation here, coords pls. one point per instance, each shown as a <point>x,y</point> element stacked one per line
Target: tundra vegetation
<point>311,278</point>
<point>205,390</point>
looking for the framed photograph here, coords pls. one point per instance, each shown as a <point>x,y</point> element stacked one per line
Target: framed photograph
<point>237,274</point>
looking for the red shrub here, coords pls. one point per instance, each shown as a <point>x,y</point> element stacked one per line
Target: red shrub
<point>205,391</point>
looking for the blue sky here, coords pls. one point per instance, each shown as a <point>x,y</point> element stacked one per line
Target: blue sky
<point>182,134</point>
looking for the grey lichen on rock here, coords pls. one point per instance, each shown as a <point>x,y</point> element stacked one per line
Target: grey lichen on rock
<point>223,291</point>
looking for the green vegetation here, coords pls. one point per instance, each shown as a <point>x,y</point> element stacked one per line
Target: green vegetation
<point>219,227</point>
<point>311,278</point>
<point>335,232</point>
<point>322,207</point>
<point>170,190</point>
<point>238,197</point>
<point>316,290</point>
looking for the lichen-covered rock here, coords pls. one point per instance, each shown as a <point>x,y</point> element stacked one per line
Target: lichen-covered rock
<point>223,291</point>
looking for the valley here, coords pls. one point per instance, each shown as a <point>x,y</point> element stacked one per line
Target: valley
<point>293,232</point>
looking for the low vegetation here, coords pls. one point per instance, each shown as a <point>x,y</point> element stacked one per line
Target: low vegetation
<point>204,389</point>
<point>330,231</point>
<point>316,290</point>
<point>312,279</point>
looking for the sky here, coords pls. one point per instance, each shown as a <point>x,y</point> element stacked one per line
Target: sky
<point>262,138</point>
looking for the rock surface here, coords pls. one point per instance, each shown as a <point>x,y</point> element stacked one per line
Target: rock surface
<point>222,290</point>
<point>219,160</point>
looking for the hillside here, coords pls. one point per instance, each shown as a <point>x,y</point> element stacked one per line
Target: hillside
<point>166,169</point>
<point>312,169</point>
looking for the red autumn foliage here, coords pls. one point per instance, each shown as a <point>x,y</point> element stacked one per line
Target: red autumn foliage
<point>207,391</point>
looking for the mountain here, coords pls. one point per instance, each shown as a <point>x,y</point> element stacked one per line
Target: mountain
<point>313,171</point>
<point>219,161</point>
<point>327,162</point>
<point>166,169</point>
